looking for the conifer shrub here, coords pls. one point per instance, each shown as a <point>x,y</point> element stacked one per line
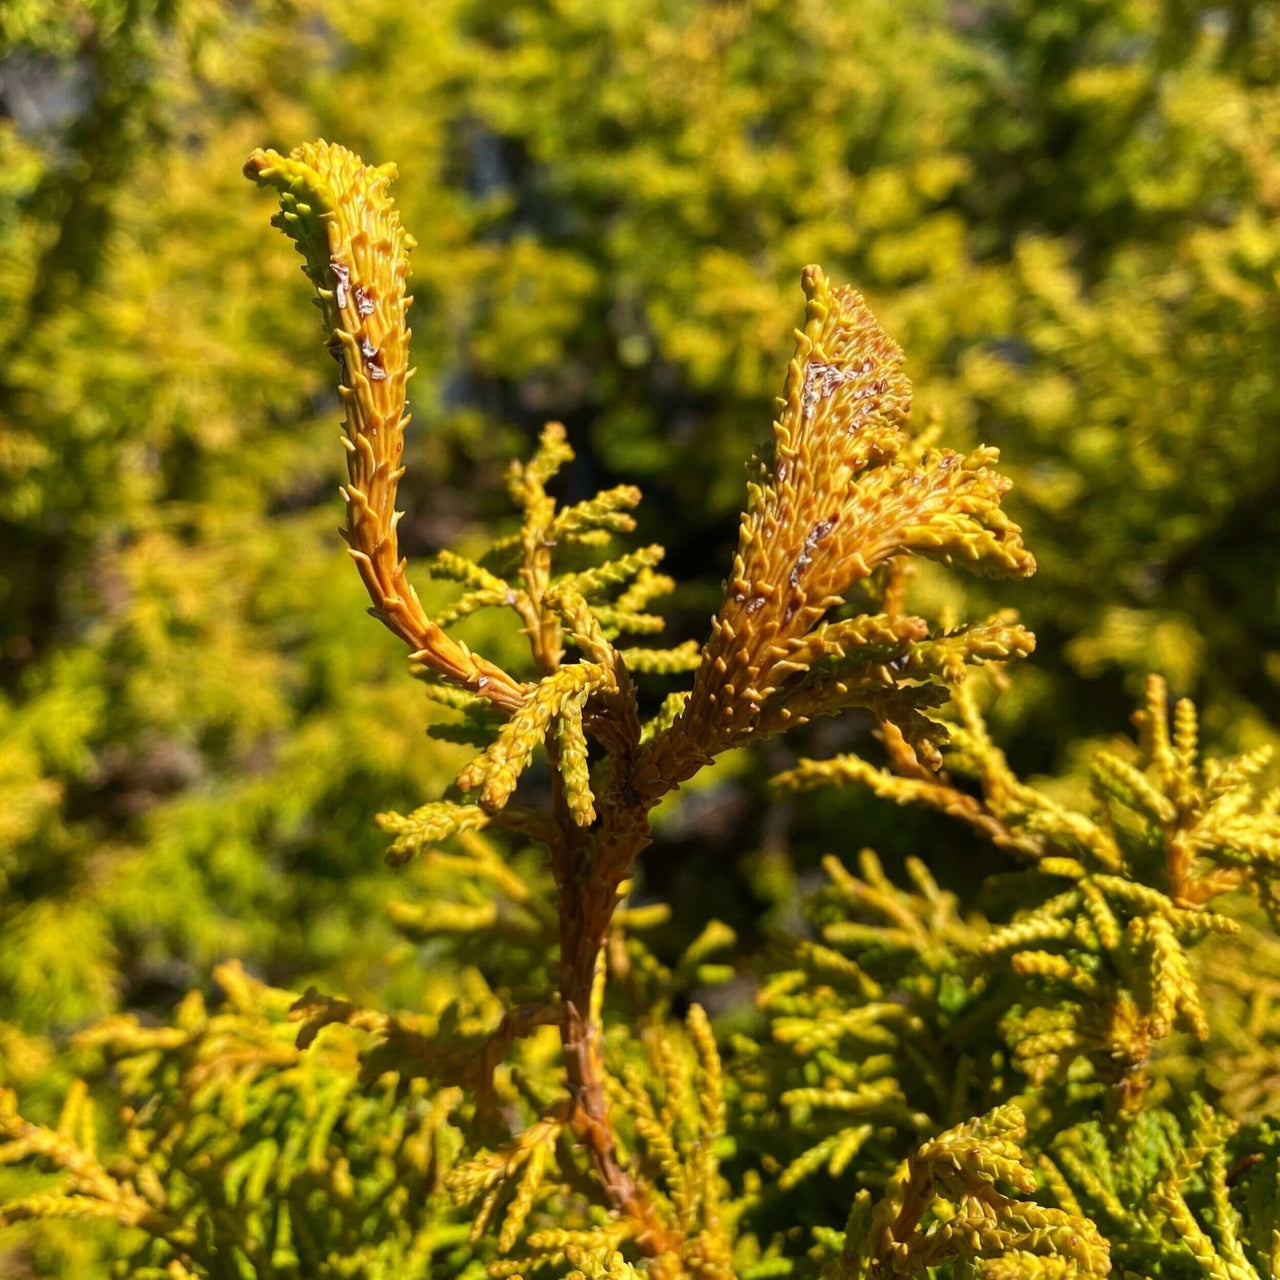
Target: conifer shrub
<point>1064,210</point>
<point>1068,1072</point>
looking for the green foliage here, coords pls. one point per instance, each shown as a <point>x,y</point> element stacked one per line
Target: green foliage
<point>439,1141</point>
<point>952,1184</point>
<point>1066,213</point>
<point>254,1148</point>
<point>1070,1013</point>
<point>247,1155</point>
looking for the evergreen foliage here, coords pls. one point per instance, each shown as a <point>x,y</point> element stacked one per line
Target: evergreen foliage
<point>559,1124</point>
<point>1066,212</point>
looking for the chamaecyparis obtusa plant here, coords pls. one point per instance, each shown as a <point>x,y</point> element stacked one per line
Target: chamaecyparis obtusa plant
<point>847,494</point>
<point>1010,1095</point>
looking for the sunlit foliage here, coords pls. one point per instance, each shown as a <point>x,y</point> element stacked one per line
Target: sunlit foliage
<point>1065,212</point>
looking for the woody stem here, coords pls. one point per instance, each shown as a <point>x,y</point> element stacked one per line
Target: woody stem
<point>588,895</point>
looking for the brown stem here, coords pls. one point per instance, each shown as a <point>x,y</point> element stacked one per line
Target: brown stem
<point>586,907</point>
<point>590,870</point>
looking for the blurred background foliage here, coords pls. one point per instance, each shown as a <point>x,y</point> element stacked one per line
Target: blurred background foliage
<point>1065,210</point>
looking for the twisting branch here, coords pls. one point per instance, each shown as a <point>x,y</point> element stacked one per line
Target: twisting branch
<point>339,213</point>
